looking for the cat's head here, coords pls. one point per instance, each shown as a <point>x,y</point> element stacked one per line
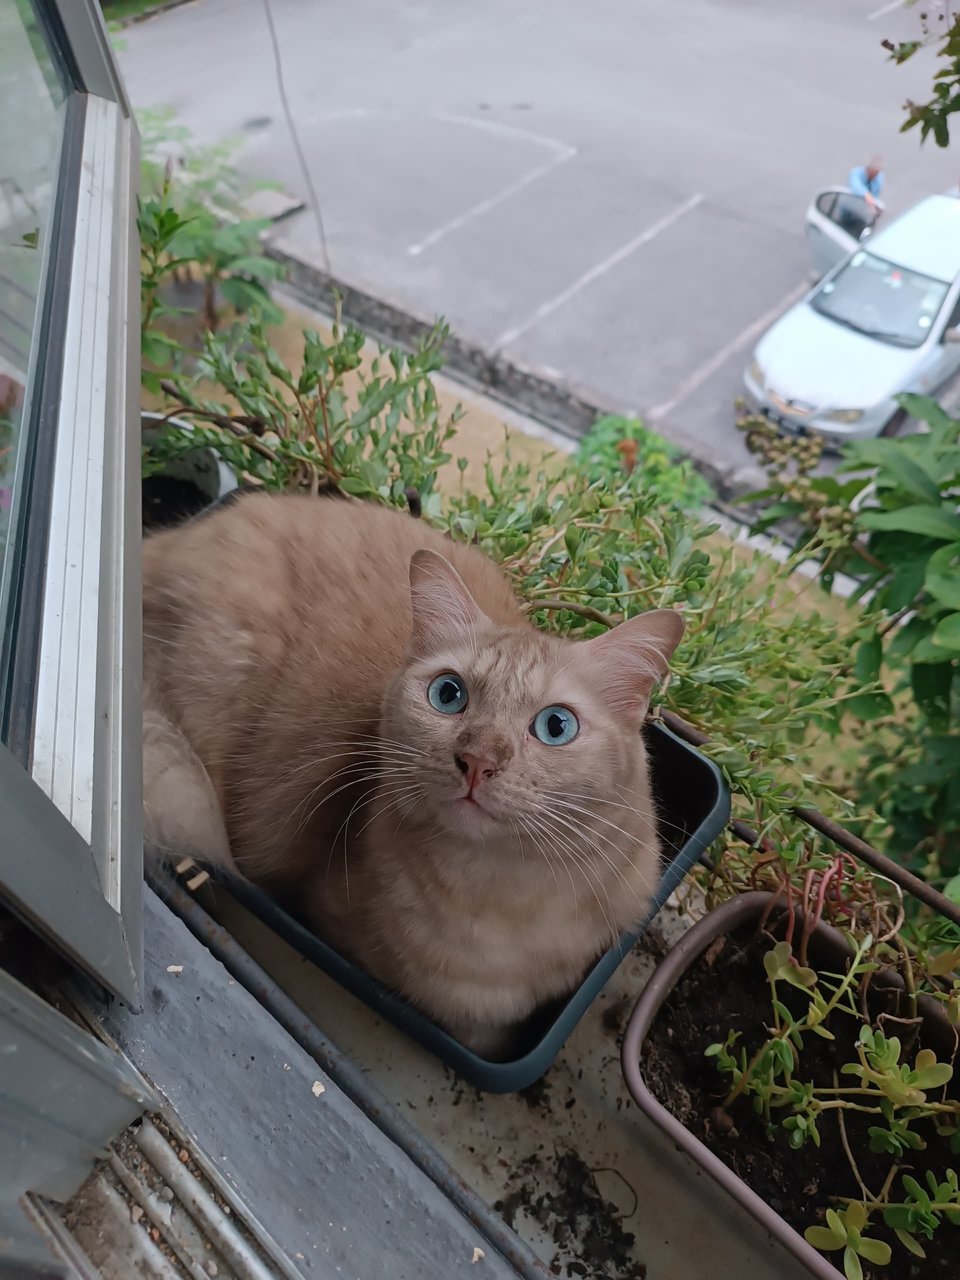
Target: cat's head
<point>487,729</point>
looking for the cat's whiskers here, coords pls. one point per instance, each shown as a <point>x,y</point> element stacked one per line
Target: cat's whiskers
<point>401,793</point>
<point>539,848</point>
<point>568,852</point>
<point>375,775</point>
<point>398,789</point>
<point>589,838</point>
<point>591,874</point>
<point>357,749</point>
<point>627,835</point>
<point>523,856</point>
<point>645,815</point>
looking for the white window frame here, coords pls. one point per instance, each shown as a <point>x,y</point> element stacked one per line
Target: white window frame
<point>71,851</point>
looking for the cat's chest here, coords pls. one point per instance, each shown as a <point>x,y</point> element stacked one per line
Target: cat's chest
<point>509,920</point>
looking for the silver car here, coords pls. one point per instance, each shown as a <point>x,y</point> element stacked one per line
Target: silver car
<point>885,319</point>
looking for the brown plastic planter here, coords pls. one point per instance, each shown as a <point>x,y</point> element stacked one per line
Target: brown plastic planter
<point>725,919</point>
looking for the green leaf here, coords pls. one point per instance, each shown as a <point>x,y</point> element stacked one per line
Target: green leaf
<point>851,1265</point>
<point>835,1223</point>
<point>870,706</point>
<point>875,1251</point>
<point>243,294</point>
<point>906,637</point>
<point>824,1239</point>
<point>942,578</point>
<point>856,1216</point>
<point>926,651</point>
<point>910,1242</point>
<point>908,570</point>
<point>931,684</point>
<point>947,632</point>
<point>156,347</point>
<point>907,474</point>
<point>869,655</point>
<point>934,1077</point>
<point>354,485</point>
<point>930,522</point>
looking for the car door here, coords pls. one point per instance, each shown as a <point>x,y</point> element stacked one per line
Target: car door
<point>835,223</point>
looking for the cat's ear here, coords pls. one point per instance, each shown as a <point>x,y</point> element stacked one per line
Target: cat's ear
<point>628,660</point>
<point>444,611</point>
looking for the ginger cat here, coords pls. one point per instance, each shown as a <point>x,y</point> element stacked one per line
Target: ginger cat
<point>351,709</point>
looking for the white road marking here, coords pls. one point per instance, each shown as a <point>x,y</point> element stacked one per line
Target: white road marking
<point>484,206</point>
<point>561,154</point>
<point>719,358</point>
<point>600,269</point>
<point>887,8</point>
<point>507,130</point>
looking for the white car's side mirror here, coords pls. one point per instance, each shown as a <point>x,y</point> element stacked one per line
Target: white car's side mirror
<point>952,335</point>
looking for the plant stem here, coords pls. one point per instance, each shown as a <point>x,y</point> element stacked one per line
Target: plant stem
<point>584,610</point>
<point>328,443</point>
<point>847,1151</point>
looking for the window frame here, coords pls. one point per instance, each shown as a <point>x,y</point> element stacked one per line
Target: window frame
<point>71,863</point>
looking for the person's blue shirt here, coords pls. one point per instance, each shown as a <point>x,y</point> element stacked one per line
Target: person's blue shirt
<point>861,184</point>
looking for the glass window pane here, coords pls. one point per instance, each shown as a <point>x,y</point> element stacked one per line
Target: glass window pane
<point>33,90</point>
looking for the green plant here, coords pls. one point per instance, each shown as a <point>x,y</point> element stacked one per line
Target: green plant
<point>193,224</point>
<point>889,518</point>
<point>286,430</point>
<point>844,1230</point>
<point>768,678</point>
<point>617,445</point>
<point>905,1097</point>
<point>940,28</point>
<point>583,553</point>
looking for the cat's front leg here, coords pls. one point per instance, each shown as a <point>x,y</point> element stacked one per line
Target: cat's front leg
<point>181,814</point>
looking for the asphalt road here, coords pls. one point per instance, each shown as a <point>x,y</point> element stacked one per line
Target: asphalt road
<point>611,191</point>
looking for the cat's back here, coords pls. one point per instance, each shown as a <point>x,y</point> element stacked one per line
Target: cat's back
<point>295,572</point>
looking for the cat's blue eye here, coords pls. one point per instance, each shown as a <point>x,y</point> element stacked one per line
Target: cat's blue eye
<point>447,694</point>
<point>555,726</point>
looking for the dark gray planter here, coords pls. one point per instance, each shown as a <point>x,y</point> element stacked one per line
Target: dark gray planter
<point>693,805</point>
<point>187,485</point>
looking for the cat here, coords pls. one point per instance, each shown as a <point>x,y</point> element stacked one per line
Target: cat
<point>351,709</point>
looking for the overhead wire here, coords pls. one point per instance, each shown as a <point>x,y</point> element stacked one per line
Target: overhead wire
<point>312,197</point>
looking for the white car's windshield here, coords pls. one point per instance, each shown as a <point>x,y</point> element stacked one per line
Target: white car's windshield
<point>882,300</point>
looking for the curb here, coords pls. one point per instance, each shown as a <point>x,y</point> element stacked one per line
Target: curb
<point>134,18</point>
<point>566,410</point>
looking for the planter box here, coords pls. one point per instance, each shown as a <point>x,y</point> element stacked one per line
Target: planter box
<point>694,807</point>
<point>825,941</point>
<point>186,486</point>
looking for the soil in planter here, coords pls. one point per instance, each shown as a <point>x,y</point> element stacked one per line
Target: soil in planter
<point>727,991</point>
<point>168,501</point>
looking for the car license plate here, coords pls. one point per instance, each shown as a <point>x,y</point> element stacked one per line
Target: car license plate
<point>784,424</point>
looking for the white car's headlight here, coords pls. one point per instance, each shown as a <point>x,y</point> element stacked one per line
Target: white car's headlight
<point>756,373</point>
<point>844,415</point>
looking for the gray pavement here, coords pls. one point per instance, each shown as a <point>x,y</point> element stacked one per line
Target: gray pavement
<point>611,191</point>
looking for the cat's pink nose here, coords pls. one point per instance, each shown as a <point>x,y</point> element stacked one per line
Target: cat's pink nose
<point>474,768</point>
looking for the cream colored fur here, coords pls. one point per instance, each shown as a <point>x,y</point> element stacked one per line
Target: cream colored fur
<point>289,643</point>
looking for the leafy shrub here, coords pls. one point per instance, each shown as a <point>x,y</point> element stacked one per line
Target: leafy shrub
<point>890,518</point>
<point>583,552</point>
<point>193,225</point>
<point>617,445</point>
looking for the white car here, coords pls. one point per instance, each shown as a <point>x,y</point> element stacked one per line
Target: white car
<point>884,320</point>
